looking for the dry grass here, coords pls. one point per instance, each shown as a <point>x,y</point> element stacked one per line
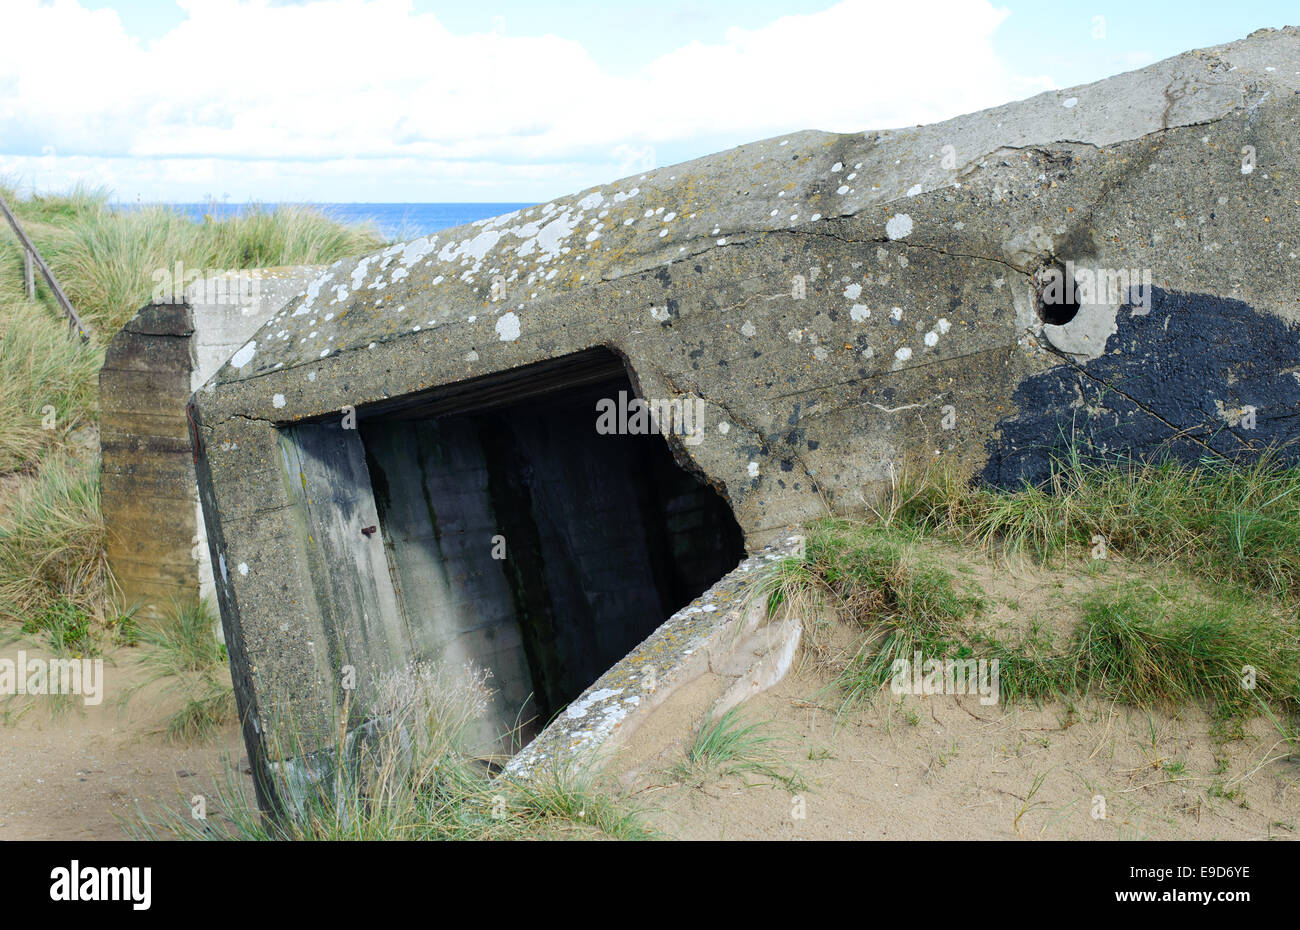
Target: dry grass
<point>52,543</point>
<point>49,384</point>
<point>406,775</point>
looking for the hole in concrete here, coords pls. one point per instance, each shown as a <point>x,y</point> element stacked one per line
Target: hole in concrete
<point>1057,297</point>
<point>520,538</point>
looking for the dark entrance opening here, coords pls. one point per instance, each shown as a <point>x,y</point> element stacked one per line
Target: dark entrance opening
<point>521,538</point>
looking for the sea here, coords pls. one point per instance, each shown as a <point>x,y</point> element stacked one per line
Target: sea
<point>394,221</point>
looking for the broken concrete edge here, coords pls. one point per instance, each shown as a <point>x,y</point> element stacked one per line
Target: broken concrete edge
<point>701,637</point>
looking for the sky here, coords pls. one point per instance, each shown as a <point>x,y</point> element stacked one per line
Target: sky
<point>517,100</point>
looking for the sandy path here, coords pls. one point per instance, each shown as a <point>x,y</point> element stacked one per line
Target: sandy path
<point>75,774</point>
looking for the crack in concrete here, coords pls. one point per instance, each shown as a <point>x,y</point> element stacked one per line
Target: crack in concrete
<point>872,240</point>
<point>768,444</point>
<point>1177,432</point>
<point>880,374</point>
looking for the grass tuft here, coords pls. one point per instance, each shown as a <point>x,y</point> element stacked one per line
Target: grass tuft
<point>184,651</point>
<point>901,602</point>
<point>1229,523</point>
<point>727,745</point>
<point>405,774</point>
<point>1152,647</point>
<point>52,544</point>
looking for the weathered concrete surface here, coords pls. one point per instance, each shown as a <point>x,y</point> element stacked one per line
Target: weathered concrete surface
<point>157,545</point>
<point>147,488</point>
<point>840,303</point>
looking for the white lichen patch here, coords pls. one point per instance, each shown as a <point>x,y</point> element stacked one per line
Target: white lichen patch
<point>244,355</point>
<point>580,707</point>
<point>507,327</point>
<point>899,226</point>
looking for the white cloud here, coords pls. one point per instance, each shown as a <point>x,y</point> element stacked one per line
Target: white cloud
<point>322,99</point>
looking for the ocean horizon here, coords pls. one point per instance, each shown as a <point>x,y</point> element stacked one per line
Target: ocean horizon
<point>395,221</point>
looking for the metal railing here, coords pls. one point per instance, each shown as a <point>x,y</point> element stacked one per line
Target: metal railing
<point>31,262</point>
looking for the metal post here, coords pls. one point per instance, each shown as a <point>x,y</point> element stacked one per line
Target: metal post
<point>29,274</point>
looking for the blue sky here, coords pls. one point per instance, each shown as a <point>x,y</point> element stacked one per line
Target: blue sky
<point>520,100</point>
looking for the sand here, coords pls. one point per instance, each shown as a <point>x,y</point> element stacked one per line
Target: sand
<point>78,772</point>
<point>947,767</point>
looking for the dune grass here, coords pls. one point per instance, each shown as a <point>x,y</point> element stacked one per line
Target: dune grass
<point>51,534</point>
<point>729,745</point>
<point>105,258</point>
<point>1228,638</point>
<point>408,776</point>
<point>900,603</point>
<point>183,650</point>
<point>49,384</point>
<point>1234,524</point>
<point>1155,646</point>
<point>52,544</point>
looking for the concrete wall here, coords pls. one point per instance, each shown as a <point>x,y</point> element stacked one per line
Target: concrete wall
<point>157,542</point>
<point>516,539</point>
<point>147,484</point>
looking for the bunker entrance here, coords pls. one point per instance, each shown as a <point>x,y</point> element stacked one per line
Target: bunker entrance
<point>521,537</point>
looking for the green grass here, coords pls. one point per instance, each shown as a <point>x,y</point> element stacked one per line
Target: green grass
<point>727,745</point>
<point>184,651</point>
<point>1143,645</point>
<point>1150,647</point>
<point>69,629</point>
<point>901,602</point>
<point>1230,524</point>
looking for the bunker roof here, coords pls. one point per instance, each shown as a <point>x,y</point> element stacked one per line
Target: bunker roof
<point>495,279</point>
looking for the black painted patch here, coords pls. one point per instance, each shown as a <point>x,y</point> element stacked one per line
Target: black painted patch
<point>1152,394</point>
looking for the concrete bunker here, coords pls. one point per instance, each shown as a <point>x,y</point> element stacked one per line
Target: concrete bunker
<point>838,305</point>
<point>501,522</point>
